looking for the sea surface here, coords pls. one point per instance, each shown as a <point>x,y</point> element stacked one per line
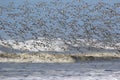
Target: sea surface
<point>92,70</point>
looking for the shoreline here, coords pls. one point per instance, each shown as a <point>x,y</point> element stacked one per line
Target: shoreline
<point>56,58</point>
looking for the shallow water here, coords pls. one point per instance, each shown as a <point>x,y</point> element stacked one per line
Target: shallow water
<point>95,70</point>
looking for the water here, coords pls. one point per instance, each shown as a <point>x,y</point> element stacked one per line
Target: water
<point>95,70</point>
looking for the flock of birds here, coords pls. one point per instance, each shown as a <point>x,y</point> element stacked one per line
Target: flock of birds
<point>38,27</point>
